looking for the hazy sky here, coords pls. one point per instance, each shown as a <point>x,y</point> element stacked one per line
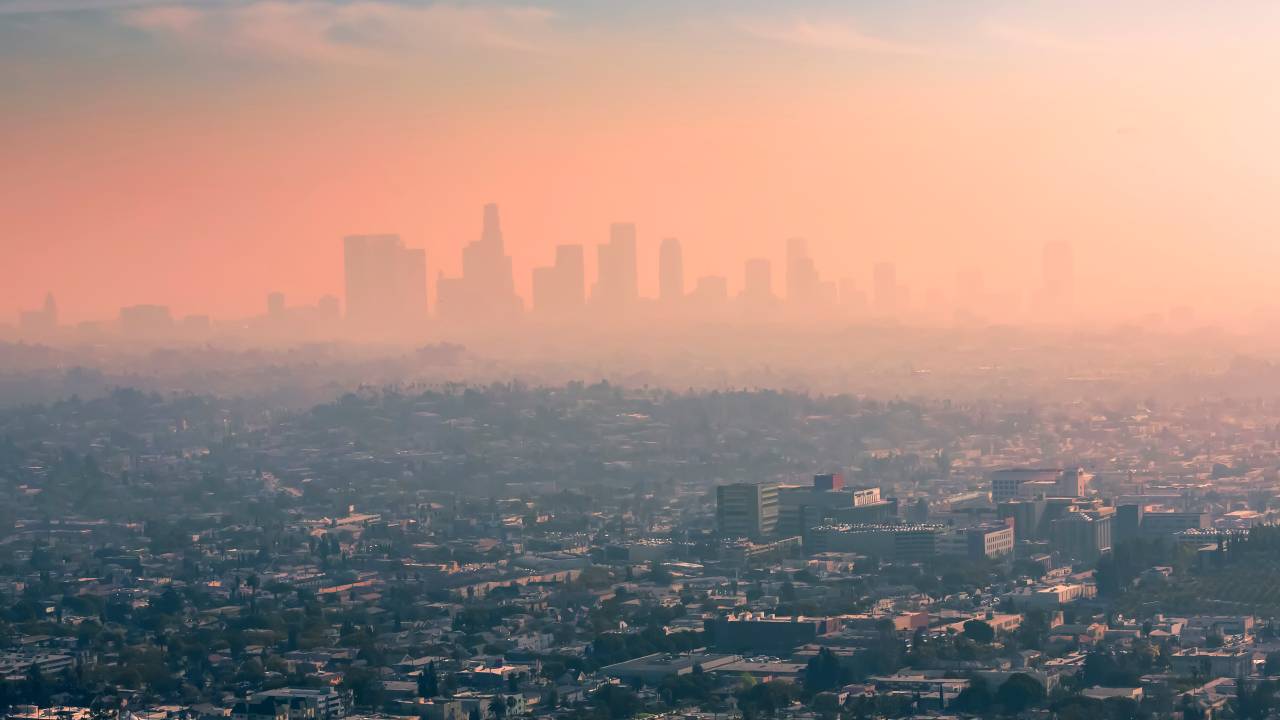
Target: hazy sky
<point>203,153</point>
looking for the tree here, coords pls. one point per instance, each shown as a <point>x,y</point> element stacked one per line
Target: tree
<point>1121,708</point>
<point>823,672</point>
<point>826,704</point>
<point>766,698</point>
<point>429,682</point>
<point>1019,692</point>
<point>979,631</point>
<point>617,701</point>
<point>1079,707</point>
<point>975,699</point>
<point>365,686</point>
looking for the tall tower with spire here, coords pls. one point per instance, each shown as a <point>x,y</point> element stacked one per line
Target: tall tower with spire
<point>486,289</point>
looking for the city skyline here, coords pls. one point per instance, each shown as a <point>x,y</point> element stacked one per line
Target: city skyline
<point>386,292</point>
<point>230,143</point>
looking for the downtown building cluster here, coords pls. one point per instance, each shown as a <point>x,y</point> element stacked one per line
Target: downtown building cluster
<point>388,295</point>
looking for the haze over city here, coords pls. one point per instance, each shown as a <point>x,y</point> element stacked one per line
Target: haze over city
<point>644,360</point>
<point>201,155</point>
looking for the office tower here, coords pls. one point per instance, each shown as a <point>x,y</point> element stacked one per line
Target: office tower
<point>802,275</point>
<point>747,509</point>
<point>1083,534</point>
<point>757,281</point>
<point>1059,276</point>
<point>558,289</point>
<point>275,304</point>
<point>885,286</point>
<point>1027,516</point>
<point>145,320</point>
<point>1024,483</point>
<point>486,289</point>
<point>616,277</point>
<point>670,270</point>
<point>828,481</point>
<point>710,293</point>
<point>386,285</point>
<point>43,320</point>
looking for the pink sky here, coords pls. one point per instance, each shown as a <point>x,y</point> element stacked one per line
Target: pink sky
<point>203,154</point>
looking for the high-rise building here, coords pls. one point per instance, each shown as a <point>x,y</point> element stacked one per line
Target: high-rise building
<point>43,320</point>
<point>146,320</point>
<point>802,274</point>
<point>1083,534</point>
<point>747,509</point>
<point>486,288</point>
<point>757,281</point>
<point>275,304</point>
<point>710,293</point>
<point>617,281</point>
<point>670,270</point>
<point>559,289</point>
<point>1039,482</point>
<point>828,481</point>
<point>386,285</point>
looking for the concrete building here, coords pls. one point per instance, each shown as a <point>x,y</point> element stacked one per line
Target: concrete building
<point>651,669</point>
<point>802,507</point>
<point>1038,482</point>
<point>1169,522</point>
<point>386,285</point>
<point>1225,662</point>
<point>989,540</point>
<point>1083,534</point>
<point>764,633</point>
<point>901,542</point>
<point>747,509</point>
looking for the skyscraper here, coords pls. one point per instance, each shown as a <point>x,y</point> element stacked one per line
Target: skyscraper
<point>710,295</point>
<point>386,285</point>
<point>802,275</point>
<point>150,321</point>
<point>617,277</point>
<point>670,270</point>
<point>558,289</point>
<point>43,320</point>
<point>486,289</point>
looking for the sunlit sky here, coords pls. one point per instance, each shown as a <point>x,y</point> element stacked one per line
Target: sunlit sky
<point>201,154</point>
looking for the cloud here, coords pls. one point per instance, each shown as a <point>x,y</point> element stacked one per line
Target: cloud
<point>49,7</point>
<point>330,31</point>
<point>824,34</point>
<point>1033,38</point>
